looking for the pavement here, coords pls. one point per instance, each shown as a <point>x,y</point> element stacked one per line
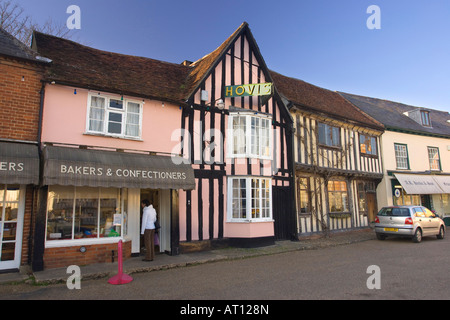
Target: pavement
<point>164,261</point>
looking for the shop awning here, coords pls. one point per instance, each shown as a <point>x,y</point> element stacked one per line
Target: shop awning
<point>97,168</point>
<point>418,184</point>
<point>443,182</point>
<point>19,163</point>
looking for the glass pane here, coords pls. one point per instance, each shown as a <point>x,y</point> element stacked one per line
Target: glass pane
<point>86,213</point>
<point>133,107</point>
<point>60,213</point>
<point>115,117</point>
<point>2,194</point>
<point>96,114</point>
<point>132,130</point>
<point>11,211</point>
<point>8,251</point>
<point>116,104</point>
<point>9,231</point>
<point>109,206</point>
<point>239,135</point>
<point>97,102</point>
<point>322,133</point>
<point>336,137</point>
<point>115,127</point>
<point>12,193</point>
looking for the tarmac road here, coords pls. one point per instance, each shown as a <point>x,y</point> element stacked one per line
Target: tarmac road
<point>406,271</point>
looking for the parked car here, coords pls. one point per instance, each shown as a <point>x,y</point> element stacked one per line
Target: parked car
<point>409,221</point>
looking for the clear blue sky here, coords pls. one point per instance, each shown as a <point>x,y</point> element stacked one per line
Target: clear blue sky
<point>326,43</point>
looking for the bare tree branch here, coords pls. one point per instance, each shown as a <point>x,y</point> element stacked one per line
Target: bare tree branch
<point>14,20</point>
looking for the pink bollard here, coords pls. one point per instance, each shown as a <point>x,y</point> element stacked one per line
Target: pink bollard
<point>120,278</point>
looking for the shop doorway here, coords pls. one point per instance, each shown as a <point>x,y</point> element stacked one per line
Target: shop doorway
<point>371,206</point>
<point>11,226</point>
<point>160,199</point>
<point>425,199</point>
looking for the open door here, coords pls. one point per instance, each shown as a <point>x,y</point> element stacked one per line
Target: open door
<point>372,209</point>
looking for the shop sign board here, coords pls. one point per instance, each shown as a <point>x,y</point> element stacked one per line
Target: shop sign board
<point>246,90</point>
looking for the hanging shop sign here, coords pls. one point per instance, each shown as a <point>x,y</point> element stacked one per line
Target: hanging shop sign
<point>246,90</point>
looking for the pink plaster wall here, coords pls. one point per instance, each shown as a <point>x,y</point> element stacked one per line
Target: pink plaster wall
<point>65,117</point>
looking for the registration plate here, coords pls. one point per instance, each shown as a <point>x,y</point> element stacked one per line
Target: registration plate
<point>391,229</point>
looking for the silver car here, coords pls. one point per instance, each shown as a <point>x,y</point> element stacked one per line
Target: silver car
<point>410,221</point>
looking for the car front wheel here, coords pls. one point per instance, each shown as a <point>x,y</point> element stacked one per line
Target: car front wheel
<point>417,236</point>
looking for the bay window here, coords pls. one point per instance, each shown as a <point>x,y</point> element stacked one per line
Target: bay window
<point>249,199</point>
<point>114,116</point>
<point>250,136</point>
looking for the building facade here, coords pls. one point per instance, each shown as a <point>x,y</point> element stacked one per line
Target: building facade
<point>416,153</point>
<point>21,71</point>
<point>337,159</point>
<point>208,143</point>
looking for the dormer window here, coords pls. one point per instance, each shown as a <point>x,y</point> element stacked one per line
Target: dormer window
<point>425,116</point>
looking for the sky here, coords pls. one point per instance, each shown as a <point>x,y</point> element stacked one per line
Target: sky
<point>326,43</point>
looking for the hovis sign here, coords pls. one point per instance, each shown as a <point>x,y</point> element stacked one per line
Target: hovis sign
<point>245,90</point>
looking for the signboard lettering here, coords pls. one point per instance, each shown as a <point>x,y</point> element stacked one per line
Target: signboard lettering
<point>245,90</point>
<point>121,172</point>
<point>11,166</point>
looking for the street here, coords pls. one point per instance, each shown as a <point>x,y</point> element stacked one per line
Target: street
<point>405,271</point>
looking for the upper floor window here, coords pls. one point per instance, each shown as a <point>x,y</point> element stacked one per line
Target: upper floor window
<point>401,156</point>
<point>368,144</point>
<point>250,136</point>
<point>425,117</point>
<point>114,116</point>
<point>329,135</point>
<point>433,157</point>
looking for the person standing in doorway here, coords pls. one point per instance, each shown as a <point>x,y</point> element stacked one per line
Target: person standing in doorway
<point>148,229</point>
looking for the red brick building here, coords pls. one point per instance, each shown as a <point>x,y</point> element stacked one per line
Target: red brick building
<point>21,71</point>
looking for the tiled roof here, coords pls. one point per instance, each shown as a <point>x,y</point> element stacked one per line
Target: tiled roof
<point>10,46</point>
<point>78,65</point>
<point>311,98</point>
<point>392,115</point>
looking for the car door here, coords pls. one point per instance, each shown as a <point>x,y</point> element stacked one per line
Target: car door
<point>432,220</point>
<point>422,220</point>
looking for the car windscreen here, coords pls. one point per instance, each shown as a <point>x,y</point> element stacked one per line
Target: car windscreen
<point>394,212</point>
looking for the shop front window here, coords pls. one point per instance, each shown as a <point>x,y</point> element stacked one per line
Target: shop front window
<point>85,213</point>
<point>407,199</point>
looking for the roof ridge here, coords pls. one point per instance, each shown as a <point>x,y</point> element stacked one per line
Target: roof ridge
<point>108,52</point>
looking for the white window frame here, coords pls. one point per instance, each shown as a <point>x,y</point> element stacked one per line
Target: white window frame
<point>248,200</point>
<point>262,135</point>
<point>110,110</point>
<point>400,150</point>
<point>434,157</point>
<point>95,240</point>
